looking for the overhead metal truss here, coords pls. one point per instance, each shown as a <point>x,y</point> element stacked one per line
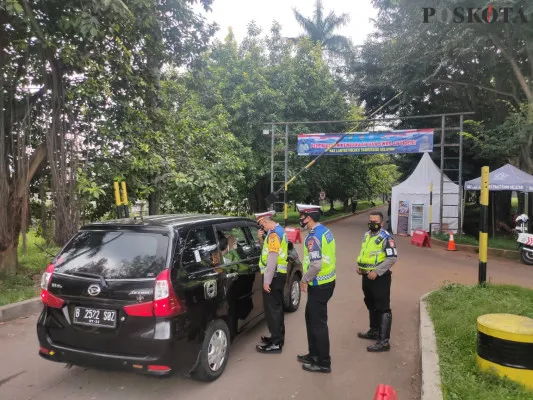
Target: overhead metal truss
<point>279,158</point>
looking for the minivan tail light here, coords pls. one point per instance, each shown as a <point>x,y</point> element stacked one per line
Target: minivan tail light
<point>165,304</point>
<point>46,297</point>
<point>47,277</point>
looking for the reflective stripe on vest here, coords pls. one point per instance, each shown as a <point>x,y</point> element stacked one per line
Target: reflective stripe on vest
<point>372,254</point>
<point>327,271</point>
<point>282,255</point>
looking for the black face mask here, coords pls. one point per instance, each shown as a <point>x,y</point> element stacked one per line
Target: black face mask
<point>374,226</point>
<point>302,223</point>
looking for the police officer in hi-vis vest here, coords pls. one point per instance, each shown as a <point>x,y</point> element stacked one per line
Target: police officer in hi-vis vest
<point>273,264</point>
<point>319,282</point>
<point>378,255</point>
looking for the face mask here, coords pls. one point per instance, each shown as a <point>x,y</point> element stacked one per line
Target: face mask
<point>302,223</point>
<point>374,226</point>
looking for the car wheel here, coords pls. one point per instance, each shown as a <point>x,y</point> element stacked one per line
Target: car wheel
<point>214,353</point>
<point>294,294</point>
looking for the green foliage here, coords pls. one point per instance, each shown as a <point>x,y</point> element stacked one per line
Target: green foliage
<point>454,310</point>
<point>25,284</point>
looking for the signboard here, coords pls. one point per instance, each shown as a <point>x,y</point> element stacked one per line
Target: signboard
<point>322,195</point>
<point>403,218</point>
<point>392,142</point>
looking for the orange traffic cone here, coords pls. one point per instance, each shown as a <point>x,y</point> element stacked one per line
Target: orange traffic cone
<point>451,243</point>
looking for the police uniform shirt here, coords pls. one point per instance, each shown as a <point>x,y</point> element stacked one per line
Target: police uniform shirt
<point>388,246</point>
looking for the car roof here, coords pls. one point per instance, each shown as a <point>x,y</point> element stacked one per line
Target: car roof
<point>166,220</point>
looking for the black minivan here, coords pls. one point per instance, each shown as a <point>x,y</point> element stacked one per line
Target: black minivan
<point>155,294</point>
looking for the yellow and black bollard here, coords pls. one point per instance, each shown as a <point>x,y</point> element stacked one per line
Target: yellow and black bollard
<point>125,200</point>
<point>505,346</point>
<point>117,200</point>
<point>483,226</point>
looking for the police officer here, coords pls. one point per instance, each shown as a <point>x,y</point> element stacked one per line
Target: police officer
<point>273,264</point>
<point>319,282</point>
<point>378,254</point>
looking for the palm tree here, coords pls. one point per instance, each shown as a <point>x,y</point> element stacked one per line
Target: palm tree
<point>321,30</point>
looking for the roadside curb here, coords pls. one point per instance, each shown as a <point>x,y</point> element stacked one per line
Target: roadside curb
<point>21,309</point>
<point>431,382</point>
<point>511,254</point>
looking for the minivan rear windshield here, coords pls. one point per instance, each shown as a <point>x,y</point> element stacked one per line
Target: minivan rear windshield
<point>115,254</point>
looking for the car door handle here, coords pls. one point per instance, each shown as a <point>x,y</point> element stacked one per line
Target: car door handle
<point>232,275</point>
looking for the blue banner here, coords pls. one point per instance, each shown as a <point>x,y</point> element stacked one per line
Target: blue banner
<point>393,142</point>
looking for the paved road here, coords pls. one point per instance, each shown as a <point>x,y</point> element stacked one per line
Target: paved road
<point>250,375</point>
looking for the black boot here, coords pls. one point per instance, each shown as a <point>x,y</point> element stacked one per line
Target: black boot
<point>307,358</point>
<point>384,335</point>
<point>268,340</point>
<point>373,332</point>
<point>274,348</point>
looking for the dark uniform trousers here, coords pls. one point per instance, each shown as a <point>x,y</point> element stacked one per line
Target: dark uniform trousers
<point>377,297</point>
<point>316,321</point>
<point>273,304</point>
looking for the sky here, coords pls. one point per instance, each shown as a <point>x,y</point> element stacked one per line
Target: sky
<point>238,13</point>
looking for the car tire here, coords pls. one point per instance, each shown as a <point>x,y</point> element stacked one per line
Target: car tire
<point>294,296</point>
<point>214,353</point>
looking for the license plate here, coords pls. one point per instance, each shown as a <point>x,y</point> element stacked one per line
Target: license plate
<point>95,317</point>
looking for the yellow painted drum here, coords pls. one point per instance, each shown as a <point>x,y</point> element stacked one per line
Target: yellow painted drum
<point>505,346</point>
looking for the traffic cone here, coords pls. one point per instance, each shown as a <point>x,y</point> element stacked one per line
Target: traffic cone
<point>451,243</point>
<point>385,392</point>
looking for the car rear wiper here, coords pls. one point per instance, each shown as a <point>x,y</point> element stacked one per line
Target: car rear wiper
<point>89,275</point>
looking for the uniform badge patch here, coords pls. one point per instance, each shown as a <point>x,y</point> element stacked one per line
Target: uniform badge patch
<point>273,243</point>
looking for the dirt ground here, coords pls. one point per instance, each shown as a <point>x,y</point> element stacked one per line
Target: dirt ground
<point>250,375</point>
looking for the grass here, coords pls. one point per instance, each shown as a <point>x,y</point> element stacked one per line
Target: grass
<point>495,243</point>
<point>454,310</point>
<point>293,216</point>
<point>25,283</point>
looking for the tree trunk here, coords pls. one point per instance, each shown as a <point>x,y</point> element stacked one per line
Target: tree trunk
<point>154,202</point>
<point>11,228</point>
<point>44,214</point>
<point>346,209</point>
<point>9,259</point>
<point>331,205</point>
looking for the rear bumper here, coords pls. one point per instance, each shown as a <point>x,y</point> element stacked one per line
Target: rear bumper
<point>172,353</point>
<point>84,358</point>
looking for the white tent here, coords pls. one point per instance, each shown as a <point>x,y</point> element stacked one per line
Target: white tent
<point>415,191</point>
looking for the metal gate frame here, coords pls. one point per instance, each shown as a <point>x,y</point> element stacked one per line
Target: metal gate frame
<point>274,173</point>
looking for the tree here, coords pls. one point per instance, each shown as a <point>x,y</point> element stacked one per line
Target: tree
<point>320,28</point>
<point>42,47</point>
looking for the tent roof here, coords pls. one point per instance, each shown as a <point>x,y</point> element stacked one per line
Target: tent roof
<point>504,178</point>
<point>425,172</point>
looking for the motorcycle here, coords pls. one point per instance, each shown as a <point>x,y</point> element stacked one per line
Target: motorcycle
<point>524,239</point>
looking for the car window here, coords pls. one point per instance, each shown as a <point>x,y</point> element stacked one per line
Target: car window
<point>256,247</point>
<point>233,245</point>
<point>200,250</point>
<point>115,254</point>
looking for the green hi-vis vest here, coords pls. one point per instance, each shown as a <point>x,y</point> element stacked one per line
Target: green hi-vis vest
<point>327,248</point>
<point>372,251</point>
<point>283,251</point>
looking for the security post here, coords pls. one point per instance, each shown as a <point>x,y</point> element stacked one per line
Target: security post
<point>125,200</point>
<point>117,199</point>
<point>483,225</point>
